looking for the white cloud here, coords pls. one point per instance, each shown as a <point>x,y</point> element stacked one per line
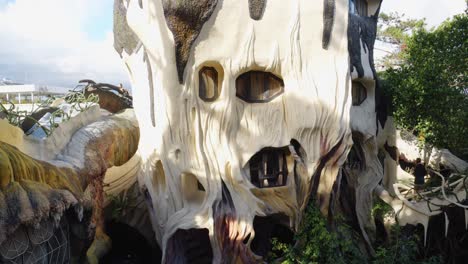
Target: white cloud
<point>46,41</point>
<point>435,11</point>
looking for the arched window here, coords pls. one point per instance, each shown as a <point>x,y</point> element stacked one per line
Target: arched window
<point>358,93</point>
<point>258,86</point>
<point>209,88</point>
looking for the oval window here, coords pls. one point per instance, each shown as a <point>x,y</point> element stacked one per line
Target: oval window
<point>209,89</point>
<point>258,86</point>
<point>359,93</point>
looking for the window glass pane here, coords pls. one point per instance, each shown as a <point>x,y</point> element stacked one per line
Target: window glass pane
<point>208,84</point>
<point>358,93</point>
<point>258,86</point>
<point>269,168</point>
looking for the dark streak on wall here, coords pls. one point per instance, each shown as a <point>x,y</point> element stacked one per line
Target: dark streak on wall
<point>257,8</point>
<point>363,29</point>
<point>382,105</point>
<point>328,21</point>
<point>314,183</point>
<point>185,18</point>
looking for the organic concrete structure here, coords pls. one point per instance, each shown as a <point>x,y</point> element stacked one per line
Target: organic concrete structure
<point>248,110</point>
<point>244,110</point>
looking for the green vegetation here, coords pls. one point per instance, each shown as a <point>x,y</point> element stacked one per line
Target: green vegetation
<point>395,29</point>
<point>400,247</point>
<point>77,99</point>
<point>403,250</point>
<point>381,209</point>
<point>118,206</point>
<point>429,90</point>
<point>317,244</point>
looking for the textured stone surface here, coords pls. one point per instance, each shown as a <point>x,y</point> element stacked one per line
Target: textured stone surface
<point>185,18</point>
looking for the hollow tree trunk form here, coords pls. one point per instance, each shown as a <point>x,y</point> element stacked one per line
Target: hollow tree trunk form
<point>272,131</point>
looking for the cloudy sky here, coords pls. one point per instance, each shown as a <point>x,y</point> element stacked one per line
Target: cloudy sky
<point>59,42</point>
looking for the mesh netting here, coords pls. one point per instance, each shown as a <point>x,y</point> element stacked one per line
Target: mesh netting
<point>43,245</point>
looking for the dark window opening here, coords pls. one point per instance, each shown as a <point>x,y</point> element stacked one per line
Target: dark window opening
<point>209,88</point>
<point>268,228</point>
<point>258,86</point>
<point>129,246</point>
<point>269,168</point>
<point>189,246</point>
<point>359,93</point>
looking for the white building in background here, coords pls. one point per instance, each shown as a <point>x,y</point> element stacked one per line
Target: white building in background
<point>29,93</point>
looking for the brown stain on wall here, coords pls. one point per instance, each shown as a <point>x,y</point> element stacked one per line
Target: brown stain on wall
<point>328,21</point>
<point>257,8</point>
<point>185,18</point>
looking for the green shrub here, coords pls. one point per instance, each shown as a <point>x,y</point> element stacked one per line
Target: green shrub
<point>317,244</point>
<point>404,249</point>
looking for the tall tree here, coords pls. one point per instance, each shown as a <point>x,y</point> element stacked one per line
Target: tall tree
<point>395,29</point>
<point>430,90</point>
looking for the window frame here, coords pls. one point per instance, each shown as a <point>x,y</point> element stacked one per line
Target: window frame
<point>364,88</point>
<point>202,88</point>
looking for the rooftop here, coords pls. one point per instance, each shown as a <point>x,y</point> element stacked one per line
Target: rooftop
<point>32,88</point>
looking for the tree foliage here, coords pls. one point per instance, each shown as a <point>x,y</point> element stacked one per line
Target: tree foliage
<point>395,29</point>
<point>430,90</point>
<point>316,243</point>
